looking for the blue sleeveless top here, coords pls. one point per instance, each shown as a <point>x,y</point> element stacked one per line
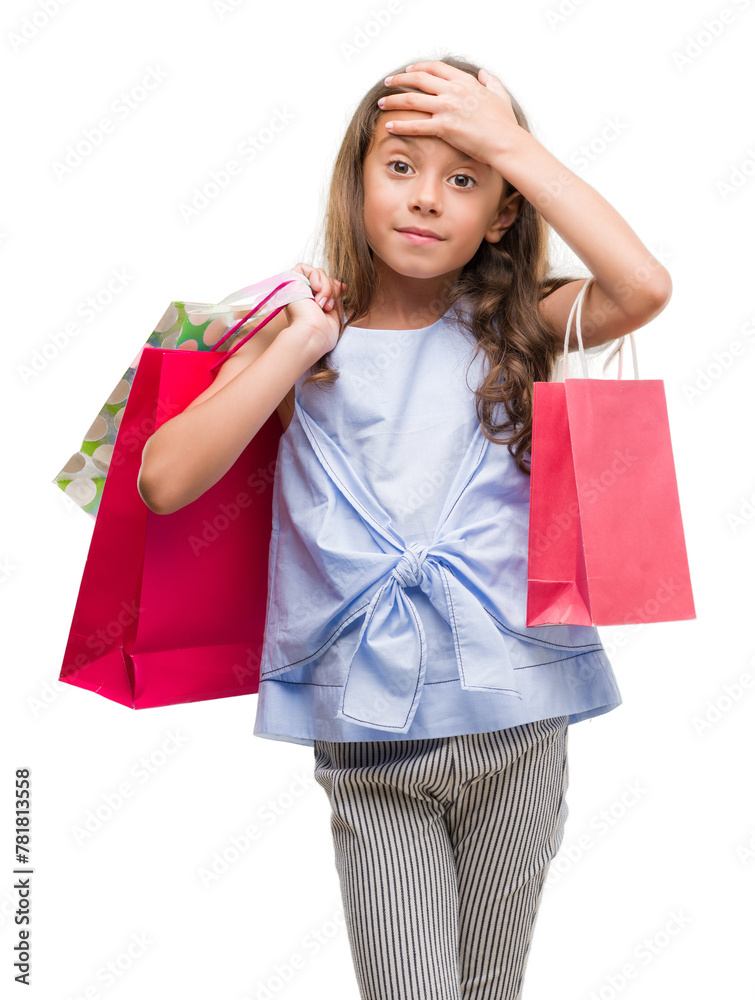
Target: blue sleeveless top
<point>397,577</point>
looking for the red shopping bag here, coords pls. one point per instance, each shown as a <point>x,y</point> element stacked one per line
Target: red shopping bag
<point>606,541</point>
<point>171,607</point>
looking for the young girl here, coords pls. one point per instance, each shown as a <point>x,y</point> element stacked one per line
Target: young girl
<point>395,640</point>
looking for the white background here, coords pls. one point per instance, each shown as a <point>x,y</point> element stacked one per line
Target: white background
<point>683,843</point>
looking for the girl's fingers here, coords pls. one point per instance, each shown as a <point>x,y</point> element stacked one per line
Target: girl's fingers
<point>331,291</point>
<point>336,289</point>
<point>321,293</point>
<point>325,289</point>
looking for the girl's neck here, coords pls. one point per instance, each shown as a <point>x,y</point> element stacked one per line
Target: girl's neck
<point>384,318</point>
<point>407,304</point>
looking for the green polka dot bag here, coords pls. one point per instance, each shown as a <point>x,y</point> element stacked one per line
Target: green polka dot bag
<point>185,326</point>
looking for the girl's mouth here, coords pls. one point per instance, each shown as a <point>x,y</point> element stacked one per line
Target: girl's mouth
<point>416,238</point>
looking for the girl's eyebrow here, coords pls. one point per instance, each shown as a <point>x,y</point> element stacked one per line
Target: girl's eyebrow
<point>413,142</point>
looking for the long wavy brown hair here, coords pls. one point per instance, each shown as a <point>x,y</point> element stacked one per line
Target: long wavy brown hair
<point>502,283</point>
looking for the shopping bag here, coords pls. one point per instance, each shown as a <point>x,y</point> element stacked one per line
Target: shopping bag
<point>606,542</point>
<point>184,326</point>
<point>171,608</point>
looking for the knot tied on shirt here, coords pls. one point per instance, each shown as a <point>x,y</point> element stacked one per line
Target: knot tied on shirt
<point>408,571</point>
<point>387,668</point>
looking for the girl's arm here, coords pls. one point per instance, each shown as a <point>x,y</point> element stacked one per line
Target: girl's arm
<point>194,449</point>
<point>631,286</point>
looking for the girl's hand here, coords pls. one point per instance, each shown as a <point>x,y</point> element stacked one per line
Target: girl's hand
<point>475,116</point>
<point>323,314</point>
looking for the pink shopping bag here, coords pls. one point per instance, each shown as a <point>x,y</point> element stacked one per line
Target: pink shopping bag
<point>606,541</point>
<point>171,608</point>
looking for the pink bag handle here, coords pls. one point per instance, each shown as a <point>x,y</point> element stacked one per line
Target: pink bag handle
<point>577,304</point>
<point>243,293</point>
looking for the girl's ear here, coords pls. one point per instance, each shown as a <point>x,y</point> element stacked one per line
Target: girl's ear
<point>508,213</point>
<point>515,205</point>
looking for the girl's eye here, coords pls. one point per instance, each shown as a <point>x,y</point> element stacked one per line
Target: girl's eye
<point>465,176</point>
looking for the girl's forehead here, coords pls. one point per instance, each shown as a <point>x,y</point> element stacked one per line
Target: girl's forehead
<point>424,145</point>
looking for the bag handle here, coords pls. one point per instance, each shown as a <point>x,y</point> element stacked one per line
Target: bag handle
<point>262,286</point>
<point>577,304</point>
<point>257,289</point>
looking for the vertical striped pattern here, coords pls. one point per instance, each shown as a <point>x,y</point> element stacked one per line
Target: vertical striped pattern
<point>442,847</point>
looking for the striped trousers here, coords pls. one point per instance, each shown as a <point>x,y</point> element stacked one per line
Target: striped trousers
<point>442,847</point>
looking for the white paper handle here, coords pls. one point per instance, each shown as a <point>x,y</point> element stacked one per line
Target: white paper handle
<point>261,288</point>
<point>577,304</point>
<point>296,286</point>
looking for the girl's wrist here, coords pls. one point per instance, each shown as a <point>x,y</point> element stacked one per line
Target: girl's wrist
<point>307,342</point>
<point>508,147</point>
